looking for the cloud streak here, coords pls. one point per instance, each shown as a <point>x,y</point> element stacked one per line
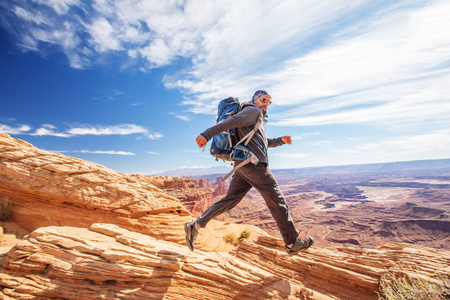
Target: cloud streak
<point>15,129</point>
<point>109,152</point>
<point>80,130</point>
<point>432,145</point>
<point>122,129</point>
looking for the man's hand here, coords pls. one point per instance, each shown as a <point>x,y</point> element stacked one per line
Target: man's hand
<point>287,139</point>
<point>201,141</point>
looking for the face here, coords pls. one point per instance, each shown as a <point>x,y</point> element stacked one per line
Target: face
<point>264,101</point>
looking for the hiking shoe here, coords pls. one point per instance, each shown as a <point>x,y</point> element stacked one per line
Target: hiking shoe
<point>300,245</point>
<point>191,234</point>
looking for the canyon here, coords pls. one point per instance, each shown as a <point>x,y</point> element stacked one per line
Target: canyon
<point>363,209</point>
<point>83,231</point>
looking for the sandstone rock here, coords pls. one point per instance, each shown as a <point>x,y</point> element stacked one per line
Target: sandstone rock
<point>344,272</point>
<point>108,262</point>
<point>49,188</point>
<point>221,188</point>
<point>191,192</point>
<point>195,194</point>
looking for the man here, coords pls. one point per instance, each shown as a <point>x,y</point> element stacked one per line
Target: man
<point>250,175</point>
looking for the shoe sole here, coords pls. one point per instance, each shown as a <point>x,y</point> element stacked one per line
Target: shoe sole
<point>304,249</point>
<point>188,240</point>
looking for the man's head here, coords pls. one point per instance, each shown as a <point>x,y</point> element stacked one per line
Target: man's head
<point>262,99</point>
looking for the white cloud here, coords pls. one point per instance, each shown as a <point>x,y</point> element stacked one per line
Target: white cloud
<point>320,143</point>
<point>408,104</point>
<point>103,36</point>
<point>184,118</point>
<point>154,135</point>
<point>122,129</point>
<point>157,53</point>
<point>48,129</point>
<point>290,155</point>
<point>389,74</point>
<point>80,130</point>
<point>36,17</point>
<point>153,153</point>
<point>60,6</point>
<point>109,152</point>
<point>433,145</point>
<point>302,136</point>
<point>194,167</point>
<point>19,129</point>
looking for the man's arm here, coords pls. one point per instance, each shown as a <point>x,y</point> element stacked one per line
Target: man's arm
<point>245,117</point>
<point>279,141</point>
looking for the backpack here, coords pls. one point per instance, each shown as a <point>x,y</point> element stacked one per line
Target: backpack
<point>226,145</point>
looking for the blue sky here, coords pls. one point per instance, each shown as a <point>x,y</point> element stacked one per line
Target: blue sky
<point>130,84</point>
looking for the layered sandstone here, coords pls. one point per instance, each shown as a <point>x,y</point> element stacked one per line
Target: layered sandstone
<point>109,262</point>
<point>195,194</point>
<point>49,188</point>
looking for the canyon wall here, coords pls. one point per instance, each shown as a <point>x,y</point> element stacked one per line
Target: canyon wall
<point>49,188</point>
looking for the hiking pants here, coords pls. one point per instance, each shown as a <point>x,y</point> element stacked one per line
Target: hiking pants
<point>259,177</point>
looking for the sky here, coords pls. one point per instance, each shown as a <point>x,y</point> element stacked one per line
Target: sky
<point>129,84</point>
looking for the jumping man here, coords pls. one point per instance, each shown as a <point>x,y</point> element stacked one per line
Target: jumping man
<point>250,175</point>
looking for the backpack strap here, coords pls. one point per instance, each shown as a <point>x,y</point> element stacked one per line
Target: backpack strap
<point>246,139</point>
<point>249,135</point>
<point>251,158</point>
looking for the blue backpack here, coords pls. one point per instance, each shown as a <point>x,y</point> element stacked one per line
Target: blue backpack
<point>226,145</point>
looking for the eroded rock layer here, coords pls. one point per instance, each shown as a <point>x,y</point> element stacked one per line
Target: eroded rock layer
<point>49,188</point>
<point>108,262</point>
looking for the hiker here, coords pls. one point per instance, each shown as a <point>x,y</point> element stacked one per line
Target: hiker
<point>251,175</point>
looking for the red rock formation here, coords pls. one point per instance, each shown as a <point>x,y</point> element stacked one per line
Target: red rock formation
<point>220,187</point>
<point>49,188</point>
<point>195,194</point>
<point>108,262</point>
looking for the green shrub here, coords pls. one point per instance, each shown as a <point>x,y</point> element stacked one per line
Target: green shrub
<point>6,209</point>
<point>231,238</point>
<point>403,286</point>
<point>244,235</point>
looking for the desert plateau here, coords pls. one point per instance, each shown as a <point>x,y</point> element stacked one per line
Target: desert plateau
<point>82,231</point>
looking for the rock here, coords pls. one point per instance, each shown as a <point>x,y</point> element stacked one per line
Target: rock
<point>220,189</point>
<point>49,188</point>
<point>345,272</point>
<point>194,194</point>
<point>108,262</point>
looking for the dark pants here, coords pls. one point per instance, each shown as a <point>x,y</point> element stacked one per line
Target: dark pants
<point>264,182</point>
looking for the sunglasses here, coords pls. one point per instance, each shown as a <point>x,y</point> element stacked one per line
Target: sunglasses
<point>264,100</point>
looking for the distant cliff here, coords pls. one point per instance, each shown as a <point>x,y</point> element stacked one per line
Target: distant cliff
<point>195,194</point>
